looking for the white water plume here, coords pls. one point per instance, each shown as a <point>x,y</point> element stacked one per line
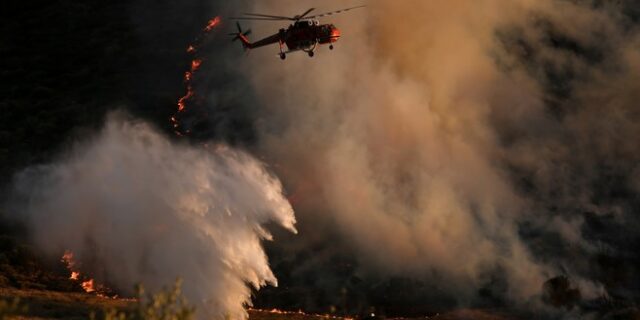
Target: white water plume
<point>135,207</point>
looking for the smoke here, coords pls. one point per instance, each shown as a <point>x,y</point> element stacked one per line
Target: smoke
<point>399,147</point>
<point>462,142</point>
<point>135,207</point>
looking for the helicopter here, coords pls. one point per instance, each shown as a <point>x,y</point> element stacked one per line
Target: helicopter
<point>304,34</point>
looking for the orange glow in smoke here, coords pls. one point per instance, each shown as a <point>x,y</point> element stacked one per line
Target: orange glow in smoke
<point>67,258</point>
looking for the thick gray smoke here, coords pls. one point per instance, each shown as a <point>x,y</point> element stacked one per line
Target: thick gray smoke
<point>460,142</point>
<point>401,150</point>
<point>135,207</point>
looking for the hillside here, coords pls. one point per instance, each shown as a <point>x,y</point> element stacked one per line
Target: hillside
<point>76,305</point>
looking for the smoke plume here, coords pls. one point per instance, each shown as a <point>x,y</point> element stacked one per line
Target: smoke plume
<point>135,207</point>
<point>483,147</point>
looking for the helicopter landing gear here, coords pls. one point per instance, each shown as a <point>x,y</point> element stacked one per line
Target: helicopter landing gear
<point>283,56</point>
<point>311,53</point>
<point>330,47</point>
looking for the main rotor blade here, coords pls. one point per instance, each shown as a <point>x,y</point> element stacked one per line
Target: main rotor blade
<point>239,27</point>
<point>269,16</point>
<point>304,14</point>
<point>263,19</point>
<point>334,12</point>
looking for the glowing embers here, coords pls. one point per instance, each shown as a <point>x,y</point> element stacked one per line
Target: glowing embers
<point>195,65</point>
<point>189,75</point>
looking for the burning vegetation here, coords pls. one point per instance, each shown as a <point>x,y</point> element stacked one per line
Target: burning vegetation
<point>196,62</point>
<point>88,284</point>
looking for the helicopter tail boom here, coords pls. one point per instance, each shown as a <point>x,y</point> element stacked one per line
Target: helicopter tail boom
<point>246,44</point>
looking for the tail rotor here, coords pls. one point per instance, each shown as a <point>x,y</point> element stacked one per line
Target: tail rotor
<point>240,35</point>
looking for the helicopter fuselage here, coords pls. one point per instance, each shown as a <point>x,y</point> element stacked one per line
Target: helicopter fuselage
<point>306,35</point>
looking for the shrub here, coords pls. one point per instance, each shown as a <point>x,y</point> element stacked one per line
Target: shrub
<point>168,304</point>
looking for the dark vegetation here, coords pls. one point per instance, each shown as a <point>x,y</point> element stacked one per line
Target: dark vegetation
<point>166,304</point>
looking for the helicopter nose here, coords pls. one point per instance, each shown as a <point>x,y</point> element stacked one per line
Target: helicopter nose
<point>335,34</point>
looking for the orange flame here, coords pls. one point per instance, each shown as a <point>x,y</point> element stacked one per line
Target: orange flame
<point>212,24</point>
<point>182,102</point>
<point>71,264</point>
<point>195,65</point>
<point>88,286</point>
<point>189,75</point>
